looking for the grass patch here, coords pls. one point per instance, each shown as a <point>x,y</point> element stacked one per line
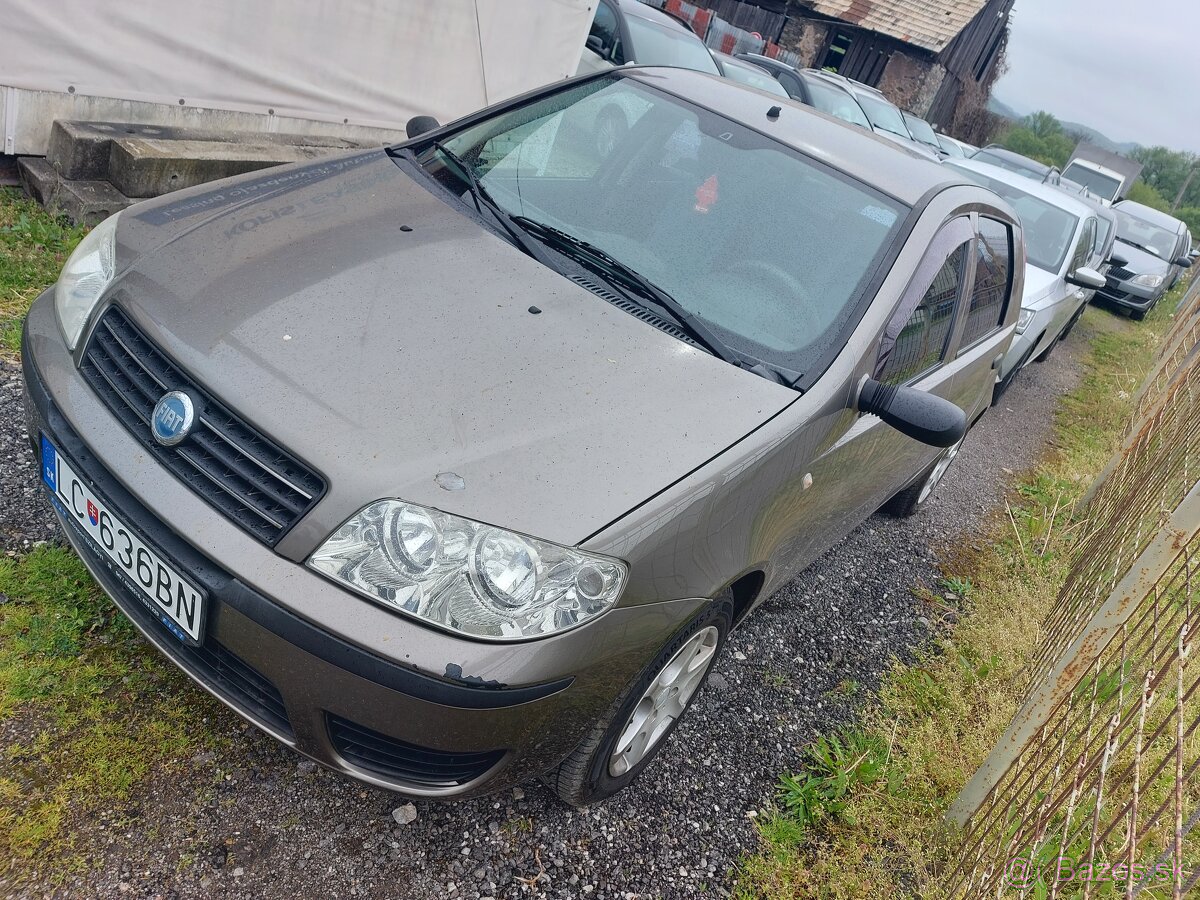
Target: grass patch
<point>863,819</point>
<point>87,709</point>
<point>34,245</point>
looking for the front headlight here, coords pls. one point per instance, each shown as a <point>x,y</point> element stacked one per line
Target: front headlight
<point>1150,281</point>
<point>472,578</point>
<point>85,276</point>
<point>1023,320</point>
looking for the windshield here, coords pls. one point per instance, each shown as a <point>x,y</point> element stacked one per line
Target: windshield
<point>836,102</point>
<point>950,147</point>
<point>883,115</point>
<point>771,249</point>
<point>1097,182</point>
<point>746,73</point>
<point>921,130</point>
<point>661,45</point>
<point>1020,167</point>
<point>1133,230</point>
<point>1049,229</point>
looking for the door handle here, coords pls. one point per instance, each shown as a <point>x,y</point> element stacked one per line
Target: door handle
<point>998,362</point>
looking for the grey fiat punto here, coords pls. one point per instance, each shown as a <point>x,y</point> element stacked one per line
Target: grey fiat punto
<point>452,465</point>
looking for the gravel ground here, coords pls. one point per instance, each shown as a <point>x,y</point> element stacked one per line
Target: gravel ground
<point>25,516</point>
<point>264,824</point>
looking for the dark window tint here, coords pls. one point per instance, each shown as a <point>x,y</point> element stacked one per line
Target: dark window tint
<point>605,28</point>
<point>922,340</point>
<point>993,271</point>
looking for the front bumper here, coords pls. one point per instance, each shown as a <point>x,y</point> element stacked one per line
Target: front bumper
<point>1023,349</point>
<point>1129,296</point>
<point>348,684</point>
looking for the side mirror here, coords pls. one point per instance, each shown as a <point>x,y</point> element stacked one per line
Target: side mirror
<point>922,416</point>
<point>1087,278</point>
<point>1118,261</point>
<point>1185,261</point>
<point>419,125</point>
<point>595,43</point>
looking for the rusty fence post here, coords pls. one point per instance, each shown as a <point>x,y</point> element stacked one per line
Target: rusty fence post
<point>1058,684</point>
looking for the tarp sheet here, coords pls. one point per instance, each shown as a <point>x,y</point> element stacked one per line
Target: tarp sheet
<point>368,62</point>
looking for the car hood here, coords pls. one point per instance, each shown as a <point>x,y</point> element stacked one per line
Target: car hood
<point>385,338</point>
<point>1041,287</point>
<point>1140,262</point>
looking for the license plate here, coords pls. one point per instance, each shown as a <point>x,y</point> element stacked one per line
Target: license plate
<point>172,598</point>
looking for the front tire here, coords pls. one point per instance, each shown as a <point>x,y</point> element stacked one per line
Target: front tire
<point>916,496</point>
<point>643,717</point>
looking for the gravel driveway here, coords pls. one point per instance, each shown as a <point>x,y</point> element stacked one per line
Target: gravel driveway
<point>278,827</point>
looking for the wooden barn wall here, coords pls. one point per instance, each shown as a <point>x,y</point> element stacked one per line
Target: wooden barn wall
<point>972,53</point>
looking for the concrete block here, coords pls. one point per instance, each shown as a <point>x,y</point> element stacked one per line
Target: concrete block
<point>79,150</point>
<point>39,179</point>
<point>149,167</point>
<point>88,202</point>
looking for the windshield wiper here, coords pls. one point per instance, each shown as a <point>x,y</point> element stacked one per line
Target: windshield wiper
<point>1136,244</point>
<point>483,200</point>
<point>521,227</point>
<point>621,273</point>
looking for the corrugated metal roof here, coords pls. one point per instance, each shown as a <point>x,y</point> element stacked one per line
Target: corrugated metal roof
<point>931,24</point>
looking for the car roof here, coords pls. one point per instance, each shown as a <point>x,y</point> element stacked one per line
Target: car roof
<point>855,151</point>
<point>644,11</point>
<point>1047,192</point>
<point>849,84</point>
<point>1099,208</point>
<point>1014,157</point>
<point>1151,215</point>
<point>739,62</point>
<point>755,57</point>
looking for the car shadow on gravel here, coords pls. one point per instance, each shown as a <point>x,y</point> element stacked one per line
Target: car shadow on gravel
<point>263,823</point>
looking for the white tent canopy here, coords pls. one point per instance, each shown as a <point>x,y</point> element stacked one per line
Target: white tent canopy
<point>372,63</point>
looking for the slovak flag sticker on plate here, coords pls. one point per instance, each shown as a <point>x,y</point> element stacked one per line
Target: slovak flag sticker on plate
<point>93,513</point>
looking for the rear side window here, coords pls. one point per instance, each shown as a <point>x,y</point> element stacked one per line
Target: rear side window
<point>922,340</point>
<point>993,275</point>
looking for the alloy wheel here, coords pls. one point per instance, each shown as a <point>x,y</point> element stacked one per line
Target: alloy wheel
<point>664,700</point>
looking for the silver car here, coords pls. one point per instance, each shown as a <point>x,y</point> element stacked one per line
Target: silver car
<point>1063,255</point>
<point>452,465</point>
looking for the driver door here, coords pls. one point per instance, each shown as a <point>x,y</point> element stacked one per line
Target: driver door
<point>870,462</point>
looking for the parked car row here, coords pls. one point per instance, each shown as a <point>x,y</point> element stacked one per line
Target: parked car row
<point>1153,248</point>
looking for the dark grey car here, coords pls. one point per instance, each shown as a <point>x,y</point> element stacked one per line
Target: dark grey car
<point>453,465</point>
<point>1154,248</point>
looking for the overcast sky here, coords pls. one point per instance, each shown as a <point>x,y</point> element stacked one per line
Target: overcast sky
<point>1127,69</point>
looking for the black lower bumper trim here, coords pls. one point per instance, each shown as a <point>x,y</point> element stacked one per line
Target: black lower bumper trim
<point>400,761</point>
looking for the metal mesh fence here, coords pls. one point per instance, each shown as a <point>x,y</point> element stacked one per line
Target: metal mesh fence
<point>1093,790</point>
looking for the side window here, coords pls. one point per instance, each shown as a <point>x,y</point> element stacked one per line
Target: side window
<point>606,34</point>
<point>791,84</point>
<point>1083,249</point>
<point>993,276</point>
<point>921,340</point>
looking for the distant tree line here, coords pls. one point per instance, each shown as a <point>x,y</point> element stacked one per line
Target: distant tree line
<point>1042,137</point>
